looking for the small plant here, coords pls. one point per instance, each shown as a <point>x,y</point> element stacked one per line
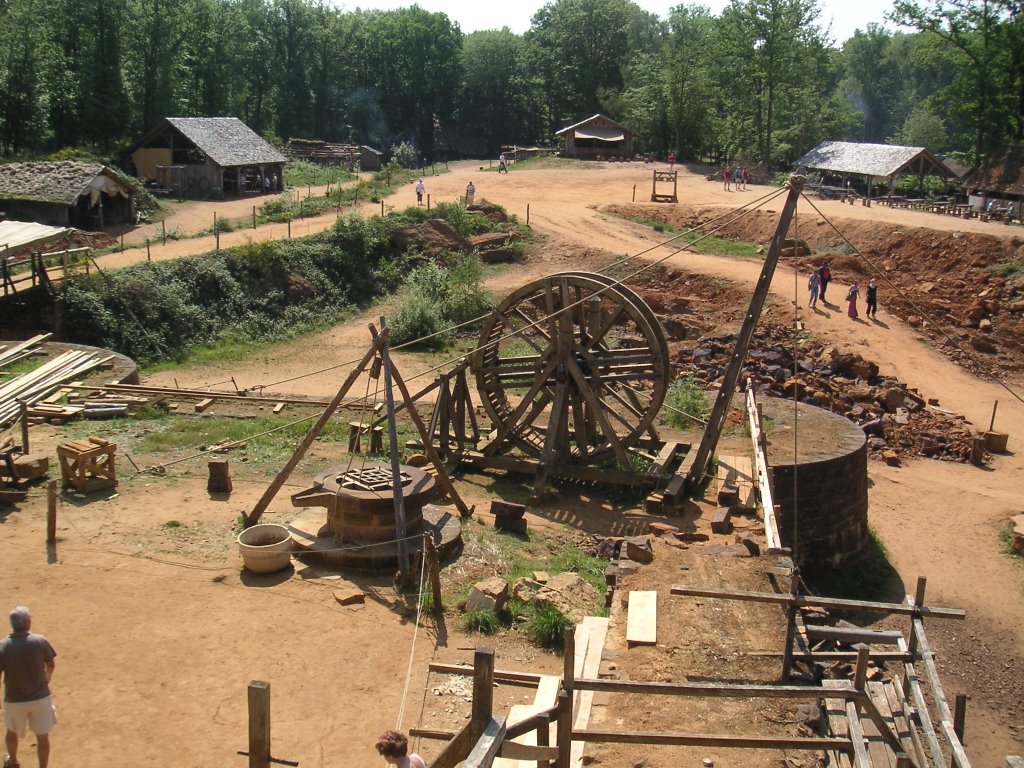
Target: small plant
<point>1006,534</point>
<point>417,318</point>
<point>686,402</point>
<point>404,155</point>
<point>486,622</point>
<point>546,627</point>
<point>170,525</point>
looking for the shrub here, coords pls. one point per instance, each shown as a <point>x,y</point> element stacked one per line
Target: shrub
<point>686,397</point>
<point>404,154</point>
<point>485,622</point>
<point>417,317</point>
<point>546,627</point>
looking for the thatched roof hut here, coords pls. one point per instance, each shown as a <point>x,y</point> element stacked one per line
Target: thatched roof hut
<point>67,193</point>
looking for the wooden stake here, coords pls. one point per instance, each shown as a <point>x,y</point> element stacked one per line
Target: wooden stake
<point>254,217</point>
<point>163,231</point>
<point>259,724</point>
<point>960,716</point>
<point>51,512</point>
<point>23,412</point>
<point>564,729</point>
<point>992,424</point>
<point>289,229</point>
<point>434,569</point>
<point>381,207</point>
<point>634,193</point>
<point>787,657</point>
<point>527,214</point>
<point>396,469</point>
<point>149,256</point>
<point>569,660</point>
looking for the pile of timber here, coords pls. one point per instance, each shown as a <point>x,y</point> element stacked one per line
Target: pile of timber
<point>35,386</point>
<point>323,152</point>
<point>897,420</point>
<point>11,354</point>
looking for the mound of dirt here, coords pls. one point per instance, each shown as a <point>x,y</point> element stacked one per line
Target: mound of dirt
<point>949,285</point>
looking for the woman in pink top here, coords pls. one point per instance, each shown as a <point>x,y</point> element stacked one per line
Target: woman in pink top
<point>394,747</point>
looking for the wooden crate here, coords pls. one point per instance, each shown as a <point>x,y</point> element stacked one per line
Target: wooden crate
<point>88,465</point>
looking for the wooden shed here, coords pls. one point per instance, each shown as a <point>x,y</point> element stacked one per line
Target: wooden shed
<point>999,176</point>
<point>596,138</point>
<point>873,161</point>
<point>66,194</point>
<point>208,157</point>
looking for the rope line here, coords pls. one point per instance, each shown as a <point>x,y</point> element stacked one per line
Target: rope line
<point>416,631</point>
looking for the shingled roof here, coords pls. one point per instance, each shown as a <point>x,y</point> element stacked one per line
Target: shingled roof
<point>1002,172</point>
<point>226,140</point>
<point>63,182</point>
<point>872,159</point>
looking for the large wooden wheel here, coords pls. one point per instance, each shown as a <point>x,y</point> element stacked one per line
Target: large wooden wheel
<point>571,368</point>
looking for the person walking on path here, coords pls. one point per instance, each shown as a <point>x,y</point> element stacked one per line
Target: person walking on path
<point>26,665</point>
<point>871,299</point>
<point>470,192</point>
<point>727,175</point>
<point>737,176</point>
<point>851,298</point>
<point>502,165</point>
<point>420,189</point>
<point>672,161</point>
<point>825,272</point>
<point>746,176</point>
<point>394,747</point>
<point>814,287</point>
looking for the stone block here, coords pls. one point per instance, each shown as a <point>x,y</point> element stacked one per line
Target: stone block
<point>541,577</point>
<point>626,568</point>
<point>489,594</point>
<point>349,596</point>
<point>721,521</point>
<point>510,525</point>
<point>661,529</point>
<point>692,537</point>
<point>525,589</point>
<point>571,594</point>
<point>638,549</point>
<point>728,495</point>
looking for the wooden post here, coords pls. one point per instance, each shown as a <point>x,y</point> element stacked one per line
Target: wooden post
<point>922,583</point>
<point>254,217</point>
<point>564,729</point>
<point>569,660</point>
<point>527,214</point>
<point>259,724</point>
<point>634,193</point>
<point>433,568</point>
<point>977,450</point>
<point>428,201</point>
<point>23,413</point>
<point>543,737</point>
<point>149,256</point>
<point>122,242</point>
<point>163,231</point>
<point>483,692</point>
<point>960,716</point>
<point>289,229</point>
<point>51,513</point>
<point>992,423</point>
<point>381,207</point>
<point>787,653</point>
<point>396,470</point>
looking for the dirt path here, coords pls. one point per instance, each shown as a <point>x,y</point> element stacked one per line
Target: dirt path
<point>937,520</point>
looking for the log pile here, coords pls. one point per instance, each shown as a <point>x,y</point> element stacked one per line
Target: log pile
<point>37,385</point>
<point>896,419</point>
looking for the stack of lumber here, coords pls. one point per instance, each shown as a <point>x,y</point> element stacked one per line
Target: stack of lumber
<point>9,355</point>
<point>39,384</point>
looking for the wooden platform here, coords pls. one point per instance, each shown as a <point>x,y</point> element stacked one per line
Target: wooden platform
<point>737,471</point>
<point>642,618</point>
<point>888,699</point>
<point>590,637</point>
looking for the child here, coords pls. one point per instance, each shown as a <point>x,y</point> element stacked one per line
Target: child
<point>872,299</point>
<point>394,746</point>
<point>814,286</point>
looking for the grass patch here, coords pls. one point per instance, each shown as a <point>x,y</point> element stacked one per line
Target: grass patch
<point>302,173</point>
<point>170,525</point>
<point>870,577</point>
<point>709,244</point>
<point>546,626</point>
<point>546,162</point>
<point>1006,535</point>
<point>23,366</point>
<point>485,622</point>
<point>1010,268</point>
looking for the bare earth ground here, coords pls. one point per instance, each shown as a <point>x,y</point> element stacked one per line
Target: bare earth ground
<point>154,656</point>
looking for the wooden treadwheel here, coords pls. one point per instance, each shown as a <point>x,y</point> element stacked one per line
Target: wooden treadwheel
<point>580,385</point>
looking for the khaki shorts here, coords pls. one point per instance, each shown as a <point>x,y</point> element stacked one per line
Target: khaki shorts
<point>39,715</point>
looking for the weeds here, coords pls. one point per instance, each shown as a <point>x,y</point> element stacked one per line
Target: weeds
<point>546,626</point>
<point>486,622</point>
<point>686,402</point>
<point>1006,535</point>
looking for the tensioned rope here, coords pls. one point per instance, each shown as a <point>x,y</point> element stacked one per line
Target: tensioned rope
<point>412,651</point>
<point>939,326</point>
<point>745,211</point>
<point>751,205</point>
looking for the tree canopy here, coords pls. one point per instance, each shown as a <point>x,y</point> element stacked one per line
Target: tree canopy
<point>762,81</point>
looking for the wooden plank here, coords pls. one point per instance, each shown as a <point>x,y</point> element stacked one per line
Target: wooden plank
<point>279,407</point>
<point>455,751</point>
<point>486,748</point>
<point>714,690</point>
<point>202,405</point>
<point>711,740</point>
<point>854,635</point>
<point>835,713</point>
<point>525,755</point>
<point>664,458</point>
<point>861,759</point>
<point>597,630</point>
<point>642,618</point>
<point>912,684</point>
<point>819,602</point>
<point>500,675</point>
<point>545,698</point>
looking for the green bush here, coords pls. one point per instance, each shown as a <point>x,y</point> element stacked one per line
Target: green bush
<point>686,397</point>
<point>417,317</point>
<point>485,622</point>
<point>546,627</point>
<point>405,155</point>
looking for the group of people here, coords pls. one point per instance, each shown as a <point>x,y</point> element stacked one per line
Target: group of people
<point>421,190</point>
<point>817,285</point>
<point>736,178</point>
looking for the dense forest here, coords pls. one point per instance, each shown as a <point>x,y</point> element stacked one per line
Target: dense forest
<point>762,81</point>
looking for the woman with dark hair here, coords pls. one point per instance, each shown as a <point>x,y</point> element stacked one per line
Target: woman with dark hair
<point>394,746</point>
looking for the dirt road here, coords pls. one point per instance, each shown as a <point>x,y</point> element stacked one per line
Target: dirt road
<point>937,520</point>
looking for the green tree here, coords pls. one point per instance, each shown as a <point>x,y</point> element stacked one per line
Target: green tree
<point>22,53</point>
<point>922,128</point>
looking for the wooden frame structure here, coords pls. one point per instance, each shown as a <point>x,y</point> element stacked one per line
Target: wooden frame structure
<point>665,177</point>
<point>88,465</point>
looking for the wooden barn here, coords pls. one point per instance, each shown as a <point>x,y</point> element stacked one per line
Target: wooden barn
<point>66,194</point>
<point>1000,177</point>
<point>208,157</point>
<point>597,138</point>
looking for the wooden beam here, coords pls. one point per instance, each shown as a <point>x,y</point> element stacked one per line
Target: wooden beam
<point>455,751</point>
<point>713,740</point>
<point>483,692</point>
<point>259,724</point>
<point>512,750</point>
<point>488,745</point>
<point>714,690</point>
<point>820,602</point>
<point>854,635</point>
<point>500,675</point>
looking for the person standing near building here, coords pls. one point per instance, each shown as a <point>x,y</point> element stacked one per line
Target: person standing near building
<point>746,176</point>
<point>420,189</point>
<point>871,299</point>
<point>727,176</point>
<point>26,665</point>
<point>470,193</point>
